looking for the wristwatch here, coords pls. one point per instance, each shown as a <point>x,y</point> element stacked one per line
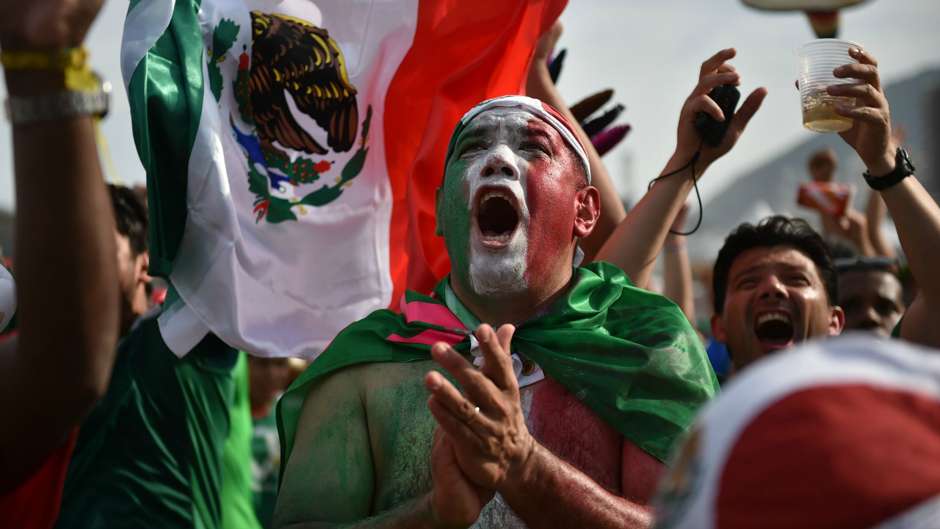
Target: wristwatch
<point>902,169</point>
<point>66,104</point>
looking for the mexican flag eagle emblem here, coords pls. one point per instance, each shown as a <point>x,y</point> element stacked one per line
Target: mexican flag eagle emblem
<point>291,85</point>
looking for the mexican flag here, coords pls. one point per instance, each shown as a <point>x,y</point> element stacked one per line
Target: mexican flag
<point>293,149</point>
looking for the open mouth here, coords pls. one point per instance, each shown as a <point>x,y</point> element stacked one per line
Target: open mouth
<point>774,330</point>
<point>496,216</point>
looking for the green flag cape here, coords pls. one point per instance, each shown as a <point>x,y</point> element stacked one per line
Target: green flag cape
<point>630,355</point>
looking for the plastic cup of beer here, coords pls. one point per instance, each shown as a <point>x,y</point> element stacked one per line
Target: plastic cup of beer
<point>817,61</point>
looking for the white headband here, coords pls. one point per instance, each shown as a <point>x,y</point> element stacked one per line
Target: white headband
<point>535,107</point>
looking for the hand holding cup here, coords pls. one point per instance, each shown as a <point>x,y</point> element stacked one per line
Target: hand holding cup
<point>871,135</point>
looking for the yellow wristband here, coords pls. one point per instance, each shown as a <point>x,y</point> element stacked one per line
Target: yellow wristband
<point>72,62</point>
<point>64,59</point>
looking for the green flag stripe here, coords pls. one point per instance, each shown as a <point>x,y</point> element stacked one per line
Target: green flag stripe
<point>144,24</point>
<point>166,94</point>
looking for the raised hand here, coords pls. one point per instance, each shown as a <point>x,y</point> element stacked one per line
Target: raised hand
<point>45,24</point>
<point>715,71</point>
<point>485,424</point>
<point>853,226</point>
<point>871,134</point>
<point>546,43</point>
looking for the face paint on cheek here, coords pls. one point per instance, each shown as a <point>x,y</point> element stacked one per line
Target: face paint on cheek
<point>455,211</point>
<point>550,198</point>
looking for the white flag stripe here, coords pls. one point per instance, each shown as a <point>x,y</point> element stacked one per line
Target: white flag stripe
<point>286,288</point>
<point>146,22</point>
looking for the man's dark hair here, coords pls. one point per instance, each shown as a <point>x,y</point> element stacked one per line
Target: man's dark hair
<point>130,216</point>
<point>773,231</point>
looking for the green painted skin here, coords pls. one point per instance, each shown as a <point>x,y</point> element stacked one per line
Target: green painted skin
<point>353,459</point>
<point>364,443</point>
<point>453,214</point>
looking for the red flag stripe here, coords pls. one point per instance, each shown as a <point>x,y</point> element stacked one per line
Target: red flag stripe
<point>834,456</point>
<point>462,53</point>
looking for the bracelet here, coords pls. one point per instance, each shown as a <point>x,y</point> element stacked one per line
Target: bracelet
<point>84,92</point>
<point>72,62</point>
<point>64,59</point>
<point>61,105</point>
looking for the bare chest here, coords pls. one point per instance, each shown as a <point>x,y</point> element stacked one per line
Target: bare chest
<point>401,430</point>
<point>564,425</point>
<point>567,427</point>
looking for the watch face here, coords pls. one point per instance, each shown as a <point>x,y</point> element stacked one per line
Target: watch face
<point>905,160</point>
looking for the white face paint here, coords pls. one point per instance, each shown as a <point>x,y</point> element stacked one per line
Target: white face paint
<point>496,170</point>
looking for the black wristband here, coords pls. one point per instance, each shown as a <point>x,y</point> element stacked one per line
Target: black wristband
<point>902,169</point>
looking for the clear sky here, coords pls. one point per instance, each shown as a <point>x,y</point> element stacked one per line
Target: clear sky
<point>649,52</point>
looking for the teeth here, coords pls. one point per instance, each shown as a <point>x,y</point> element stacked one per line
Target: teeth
<point>499,238</point>
<point>493,194</point>
<point>773,316</point>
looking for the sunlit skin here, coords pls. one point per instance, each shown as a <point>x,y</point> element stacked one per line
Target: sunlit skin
<point>511,152</point>
<point>773,280</point>
<point>872,300</point>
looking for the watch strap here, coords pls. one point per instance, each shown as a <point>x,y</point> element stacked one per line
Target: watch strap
<point>902,169</point>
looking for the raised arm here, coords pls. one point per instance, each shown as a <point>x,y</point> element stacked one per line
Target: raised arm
<point>540,86</point>
<point>677,272</point>
<point>916,215</point>
<point>876,210</point>
<point>60,364</point>
<point>637,241</point>
<point>874,215</point>
<point>853,227</point>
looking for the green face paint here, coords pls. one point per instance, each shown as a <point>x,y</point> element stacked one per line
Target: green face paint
<point>454,218</point>
<point>508,204</point>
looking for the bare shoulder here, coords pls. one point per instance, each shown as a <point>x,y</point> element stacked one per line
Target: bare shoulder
<point>401,430</point>
<point>332,441</point>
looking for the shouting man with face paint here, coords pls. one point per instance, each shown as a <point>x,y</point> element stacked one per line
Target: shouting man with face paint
<point>563,420</point>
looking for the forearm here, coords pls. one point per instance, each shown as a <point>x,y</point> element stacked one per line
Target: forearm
<point>414,514</point>
<point>917,220</point>
<point>875,214</point>
<point>677,276</point>
<point>540,86</point>
<point>638,239</point>
<point>552,493</point>
<point>65,273</point>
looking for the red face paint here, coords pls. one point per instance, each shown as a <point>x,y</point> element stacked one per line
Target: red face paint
<point>512,154</point>
<point>551,190</point>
